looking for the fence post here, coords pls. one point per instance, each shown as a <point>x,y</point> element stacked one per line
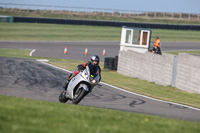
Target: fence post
<point>146,14</point>
<point>103,12</point>
<point>180,16</point>
<point>154,14</point>
<point>112,12</point>
<point>163,15</point>
<point>5,7</point>
<point>86,11</point>
<point>189,16</point>
<point>28,8</point>
<point>78,10</point>
<point>61,9</point>
<point>52,9</point>
<point>12,7</point>
<point>35,8</point>
<point>20,8</point>
<point>173,83</point>
<point>172,15</point>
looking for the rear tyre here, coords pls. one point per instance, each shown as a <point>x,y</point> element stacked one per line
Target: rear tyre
<point>62,98</point>
<point>79,95</point>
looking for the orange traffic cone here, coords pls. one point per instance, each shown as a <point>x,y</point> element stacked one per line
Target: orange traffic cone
<point>104,52</point>
<point>65,50</point>
<point>86,51</point>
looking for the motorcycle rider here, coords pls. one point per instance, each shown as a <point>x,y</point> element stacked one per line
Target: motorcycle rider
<point>94,61</point>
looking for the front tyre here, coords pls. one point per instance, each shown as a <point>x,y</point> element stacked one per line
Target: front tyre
<point>62,98</point>
<point>79,95</point>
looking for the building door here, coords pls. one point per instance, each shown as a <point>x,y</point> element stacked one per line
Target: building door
<point>144,40</point>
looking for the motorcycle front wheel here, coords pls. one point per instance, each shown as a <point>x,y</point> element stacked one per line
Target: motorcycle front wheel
<point>79,95</point>
<point>62,98</point>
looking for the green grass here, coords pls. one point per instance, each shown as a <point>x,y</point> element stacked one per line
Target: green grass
<point>176,35</point>
<point>56,32</point>
<point>20,115</point>
<point>19,53</point>
<point>189,52</point>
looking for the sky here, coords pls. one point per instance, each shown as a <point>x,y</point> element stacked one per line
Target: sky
<point>175,6</point>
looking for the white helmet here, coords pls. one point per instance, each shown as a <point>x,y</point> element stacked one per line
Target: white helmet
<point>95,58</point>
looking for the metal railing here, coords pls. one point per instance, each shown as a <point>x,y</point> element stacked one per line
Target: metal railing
<point>28,8</point>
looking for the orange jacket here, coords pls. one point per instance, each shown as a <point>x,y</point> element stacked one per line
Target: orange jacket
<point>157,42</point>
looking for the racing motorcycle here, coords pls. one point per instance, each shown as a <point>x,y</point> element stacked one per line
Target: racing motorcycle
<point>81,85</point>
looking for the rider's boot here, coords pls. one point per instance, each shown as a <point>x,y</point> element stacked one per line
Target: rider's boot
<point>67,82</point>
<point>66,85</point>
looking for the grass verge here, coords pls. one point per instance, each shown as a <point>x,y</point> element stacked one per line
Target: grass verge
<point>19,115</point>
<point>56,32</point>
<point>189,52</point>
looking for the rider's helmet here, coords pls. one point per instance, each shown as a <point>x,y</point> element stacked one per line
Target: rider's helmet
<point>95,58</point>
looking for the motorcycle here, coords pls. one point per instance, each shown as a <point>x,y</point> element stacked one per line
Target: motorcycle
<point>81,85</point>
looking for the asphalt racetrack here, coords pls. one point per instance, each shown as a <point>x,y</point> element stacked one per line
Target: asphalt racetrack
<point>76,50</point>
<point>35,80</point>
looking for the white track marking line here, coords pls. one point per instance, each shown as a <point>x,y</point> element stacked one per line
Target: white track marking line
<point>127,90</point>
<point>30,54</point>
<point>150,97</point>
<point>55,66</point>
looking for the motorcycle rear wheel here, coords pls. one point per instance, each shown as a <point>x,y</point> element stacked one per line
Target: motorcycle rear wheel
<point>62,98</point>
<point>80,95</point>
